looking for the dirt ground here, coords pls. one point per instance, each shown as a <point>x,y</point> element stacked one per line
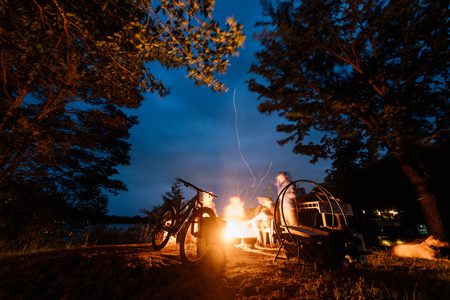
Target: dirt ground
<point>137,272</point>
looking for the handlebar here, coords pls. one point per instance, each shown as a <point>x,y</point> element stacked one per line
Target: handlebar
<point>190,185</point>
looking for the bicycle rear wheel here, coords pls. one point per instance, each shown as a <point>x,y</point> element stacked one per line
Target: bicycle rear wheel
<point>196,238</point>
<point>164,229</point>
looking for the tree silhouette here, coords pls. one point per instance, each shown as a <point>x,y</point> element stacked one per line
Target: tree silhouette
<point>172,198</point>
<point>68,71</point>
<point>370,73</point>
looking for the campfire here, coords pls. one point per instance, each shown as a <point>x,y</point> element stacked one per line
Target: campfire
<point>237,229</point>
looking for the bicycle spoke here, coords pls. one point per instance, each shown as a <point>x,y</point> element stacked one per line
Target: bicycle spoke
<point>161,233</point>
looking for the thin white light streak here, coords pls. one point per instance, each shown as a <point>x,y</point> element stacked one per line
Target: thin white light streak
<point>262,179</point>
<point>253,185</point>
<point>239,142</point>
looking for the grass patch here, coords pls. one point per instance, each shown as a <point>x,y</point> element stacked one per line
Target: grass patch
<point>34,240</point>
<point>385,277</point>
<point>116,271</point>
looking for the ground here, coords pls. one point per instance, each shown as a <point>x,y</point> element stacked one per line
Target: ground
<point>137,272</point>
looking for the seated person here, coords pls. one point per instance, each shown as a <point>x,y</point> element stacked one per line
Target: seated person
<point>263,217</point>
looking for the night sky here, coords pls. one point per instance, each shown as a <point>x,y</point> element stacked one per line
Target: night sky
<point>191,134</point>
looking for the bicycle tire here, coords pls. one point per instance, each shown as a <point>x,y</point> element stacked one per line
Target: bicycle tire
<point>194,242</point>
<point>162,232</point>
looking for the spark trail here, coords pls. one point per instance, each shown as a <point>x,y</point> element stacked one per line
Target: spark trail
<point>253,186</point>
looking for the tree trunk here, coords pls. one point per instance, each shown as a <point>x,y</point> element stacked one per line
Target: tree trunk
<point>427,201</point>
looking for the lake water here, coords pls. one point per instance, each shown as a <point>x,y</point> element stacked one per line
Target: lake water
<point>120,226</point>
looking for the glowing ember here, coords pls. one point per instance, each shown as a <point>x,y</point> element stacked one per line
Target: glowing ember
<point>237,227</point>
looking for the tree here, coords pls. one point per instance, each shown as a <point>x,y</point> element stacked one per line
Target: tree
<point>368,72</point>
<point>382,184</point>
<point>172,198</point>
<point>68,71</point>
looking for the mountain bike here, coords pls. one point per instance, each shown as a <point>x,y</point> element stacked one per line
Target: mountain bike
<point>192,223</point>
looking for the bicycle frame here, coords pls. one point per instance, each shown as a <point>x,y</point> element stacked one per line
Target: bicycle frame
<point>183,213</point>
<point>187,222</point>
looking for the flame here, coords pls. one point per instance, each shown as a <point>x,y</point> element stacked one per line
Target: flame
<point>235,210</point>
<point>237,227</point>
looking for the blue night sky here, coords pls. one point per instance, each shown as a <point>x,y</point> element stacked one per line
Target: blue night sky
<point>191,134</point>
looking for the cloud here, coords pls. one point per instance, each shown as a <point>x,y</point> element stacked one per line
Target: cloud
<point>191,134</point>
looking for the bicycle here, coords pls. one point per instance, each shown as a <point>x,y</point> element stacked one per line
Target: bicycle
<point>192,222</point>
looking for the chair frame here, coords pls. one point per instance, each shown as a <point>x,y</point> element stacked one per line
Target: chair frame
<point>311,239</point>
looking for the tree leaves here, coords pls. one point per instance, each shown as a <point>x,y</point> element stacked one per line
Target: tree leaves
<point>369,76</point>
<point>328,62</point>
<point>69,68</point>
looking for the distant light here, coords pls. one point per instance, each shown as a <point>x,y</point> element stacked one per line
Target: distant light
<point>393,212</point>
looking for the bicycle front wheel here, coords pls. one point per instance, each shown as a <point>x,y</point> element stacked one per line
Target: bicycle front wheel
<point>164,229</point>
<point>195,238</point>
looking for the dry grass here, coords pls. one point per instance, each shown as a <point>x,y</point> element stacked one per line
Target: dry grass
<point>385,277</point>
<point>34,240</point>
<point>137,272</point>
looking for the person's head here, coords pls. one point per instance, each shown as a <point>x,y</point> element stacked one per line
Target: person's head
<point>281,177</point>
